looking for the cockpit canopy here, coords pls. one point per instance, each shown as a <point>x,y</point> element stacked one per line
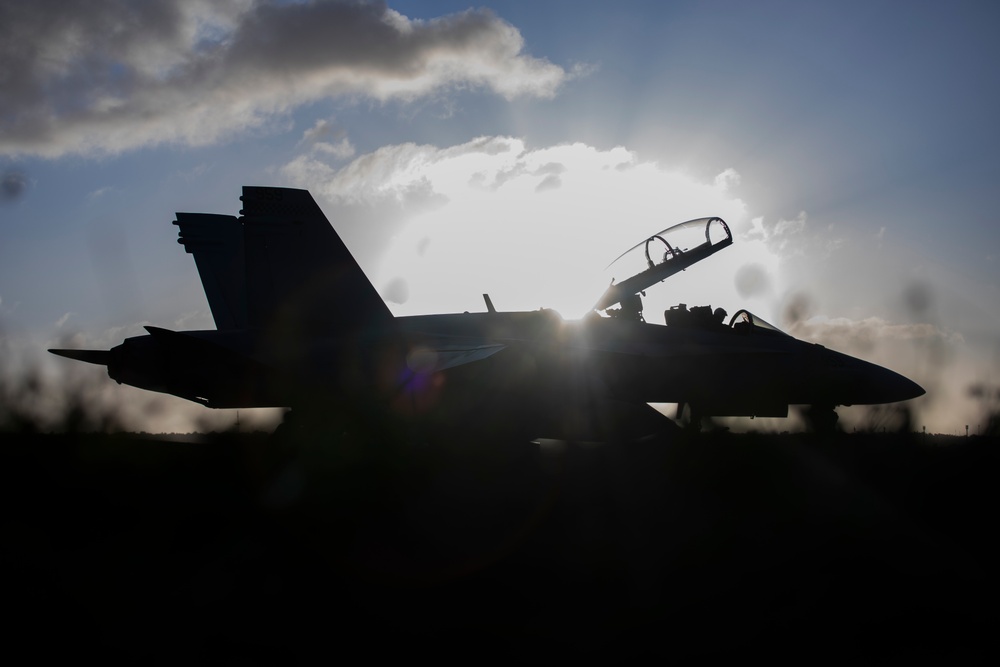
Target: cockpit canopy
<point>662,255</point>
<point>746,322</point>
<point>703,317</point>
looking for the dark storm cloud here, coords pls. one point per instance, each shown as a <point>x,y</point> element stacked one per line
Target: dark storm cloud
<point>113,75</point>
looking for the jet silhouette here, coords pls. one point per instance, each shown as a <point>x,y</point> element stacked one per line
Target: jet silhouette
<point>299,325</point>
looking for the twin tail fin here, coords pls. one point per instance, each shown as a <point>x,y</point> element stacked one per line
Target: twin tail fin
<point>280,264</point>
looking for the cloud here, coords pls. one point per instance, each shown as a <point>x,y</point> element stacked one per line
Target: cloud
<point>532,226</point>
<point>106,77</point>
<point>341,150</point>
<point>100,193</point>
<point>321,130</point>
<point>778,235</point>
<point>863,335</point>
<point>195,173</point>
<point>194,319</point>
<point>728,178</point>
<point>325,137</point>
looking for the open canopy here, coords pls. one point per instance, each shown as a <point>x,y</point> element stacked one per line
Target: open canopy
<point>663,254</point>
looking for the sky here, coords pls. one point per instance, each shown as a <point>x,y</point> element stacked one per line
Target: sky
<point>513,149</point>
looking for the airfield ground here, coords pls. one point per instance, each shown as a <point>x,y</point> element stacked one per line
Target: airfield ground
<point>237,548</point>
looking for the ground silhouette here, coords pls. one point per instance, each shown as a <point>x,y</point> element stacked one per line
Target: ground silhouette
<point>242,547</point>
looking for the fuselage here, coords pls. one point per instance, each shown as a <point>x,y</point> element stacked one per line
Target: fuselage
<point>535,365</point>
<point>752,370</point>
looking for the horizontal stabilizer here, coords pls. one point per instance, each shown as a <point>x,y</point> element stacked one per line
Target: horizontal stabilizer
<point>100,357</point>
<point>181,341</point>
<point>160,332</point>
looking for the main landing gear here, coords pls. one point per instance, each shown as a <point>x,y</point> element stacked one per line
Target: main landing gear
<point>821,418</point>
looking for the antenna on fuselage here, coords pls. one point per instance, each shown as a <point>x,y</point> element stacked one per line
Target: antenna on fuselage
<point>489,304</point>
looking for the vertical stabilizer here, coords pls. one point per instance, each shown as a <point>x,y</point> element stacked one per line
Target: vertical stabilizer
<point>216,241</point>
<point>298,271</point>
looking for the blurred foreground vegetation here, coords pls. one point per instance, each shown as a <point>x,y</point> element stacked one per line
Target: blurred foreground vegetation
<point>245,547</point>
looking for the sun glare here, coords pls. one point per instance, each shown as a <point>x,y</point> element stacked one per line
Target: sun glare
<point>537,228</point>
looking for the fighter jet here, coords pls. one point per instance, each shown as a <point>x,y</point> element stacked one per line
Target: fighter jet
<point>299,325</point>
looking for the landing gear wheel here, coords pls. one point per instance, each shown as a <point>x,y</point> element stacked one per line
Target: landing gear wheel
<point>689,418</point>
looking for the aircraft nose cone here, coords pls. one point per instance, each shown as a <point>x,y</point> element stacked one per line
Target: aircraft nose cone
<point>852,381</point>
<point>875,384</point>
<point>894,387</point>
